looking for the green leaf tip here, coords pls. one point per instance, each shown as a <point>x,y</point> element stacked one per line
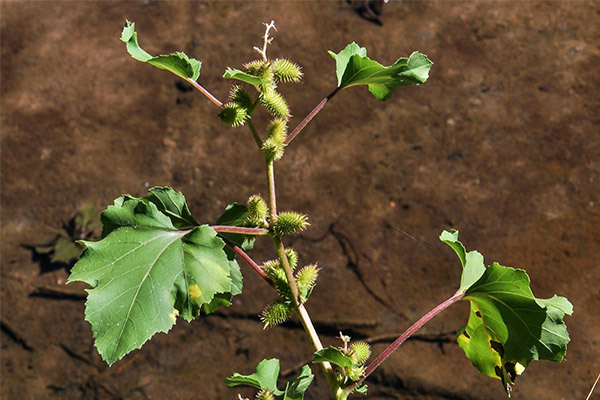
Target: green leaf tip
<point>472,261</point>
<point>178,63</point>
<point>154,260</point>
<point>353,67</point>
<point>508,326</point>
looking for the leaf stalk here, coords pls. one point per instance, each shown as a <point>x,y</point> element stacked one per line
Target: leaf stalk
<point>403,337</point>
<point>310,116</point>
<point>205,92</point>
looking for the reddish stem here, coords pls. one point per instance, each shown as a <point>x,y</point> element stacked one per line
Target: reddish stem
<point>240,230</point>
<point>310,116</point>
<point>408,333</point>
<point>250,262</point>
<point>205,92</point>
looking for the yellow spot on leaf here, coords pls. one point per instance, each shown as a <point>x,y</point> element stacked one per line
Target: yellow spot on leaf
<point>519,368</point>
<point>174,315</point>
<point>195,291</point>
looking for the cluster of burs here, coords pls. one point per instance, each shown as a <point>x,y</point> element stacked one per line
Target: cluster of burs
<point>240,106</point>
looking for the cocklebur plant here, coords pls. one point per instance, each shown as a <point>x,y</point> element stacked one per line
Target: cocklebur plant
<point>156,263</point>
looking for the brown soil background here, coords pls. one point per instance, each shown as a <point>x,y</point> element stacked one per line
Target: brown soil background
<point>502,143</point>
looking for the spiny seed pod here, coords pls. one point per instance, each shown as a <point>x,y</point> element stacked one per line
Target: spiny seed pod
<point>275,313</point>
<point>267,77</point>
<point>239,96</point>
<point>286,71</point>
<point>233,114</point>
<point>277,130</point>
<point>355,373</point>
<point>292,257</point>
<point>272,149</point>
<point>289,223</point>
<point>275,104</point>
<point>257,211</point>
<point>270,267</point>
<point>306,279</point>
<point>254,67</point>
<point>361,352</point>
<point>265,394</point>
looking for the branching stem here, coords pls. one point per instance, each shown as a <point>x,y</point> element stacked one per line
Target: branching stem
<point>205,92</point>
<point>402,338</point>
<point>310,116</point>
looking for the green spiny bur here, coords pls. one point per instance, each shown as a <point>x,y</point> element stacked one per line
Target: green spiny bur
<point>289,223</point>
<point>239,96</point>
<point>354,373</point>
<point>272,149</point>
<point>257,211</point>
<point>306,279</point>
<point>233,114</point>
<point>361,351</point>
<point>254,67</point>
<point>286,71</point>
<point>275,313</point>
<point>292,257</point>
<point>275,104</point>
<point>277,130</point>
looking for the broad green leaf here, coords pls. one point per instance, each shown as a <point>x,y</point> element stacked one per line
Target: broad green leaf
<point>265,377</point>
<point>232,73</point>
<point>508,327</point>
<point>178,63</point>
<point>353,67</point>
<point>472,261</point>
<point>235,215</point>
<point>65,250</point>
<point>296,387</point>
<point>333,355</point>
<point>146,271</point>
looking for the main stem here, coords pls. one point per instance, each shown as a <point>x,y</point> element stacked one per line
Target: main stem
<point>408,333</point>
<point>301,311</point>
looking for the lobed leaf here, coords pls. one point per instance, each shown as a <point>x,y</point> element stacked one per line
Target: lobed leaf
<point>508,326</point>
<point>146,271</point>
<point>178,63</point>
<point>353,67</point>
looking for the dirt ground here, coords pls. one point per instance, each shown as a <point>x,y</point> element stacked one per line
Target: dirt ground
<point>502,143</point>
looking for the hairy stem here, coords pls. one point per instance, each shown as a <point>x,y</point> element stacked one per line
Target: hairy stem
<point>205,92</point>
<point>402,338</point>
<point>310,116</point>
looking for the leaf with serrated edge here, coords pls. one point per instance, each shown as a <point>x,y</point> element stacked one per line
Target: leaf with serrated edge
<point>178,63</point>
<point>508,327</point>
<point>353,67</point>
<point>145,272</point>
